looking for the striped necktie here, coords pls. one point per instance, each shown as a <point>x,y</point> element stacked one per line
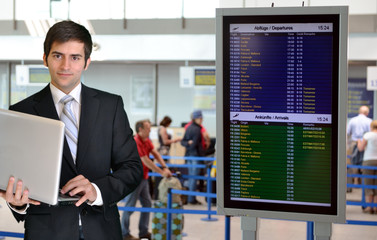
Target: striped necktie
<point>71,127</point>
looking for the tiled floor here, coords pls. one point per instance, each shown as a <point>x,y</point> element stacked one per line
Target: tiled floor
<point>197,229</point>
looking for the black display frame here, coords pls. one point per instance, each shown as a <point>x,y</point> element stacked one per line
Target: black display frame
<point>285,16</point>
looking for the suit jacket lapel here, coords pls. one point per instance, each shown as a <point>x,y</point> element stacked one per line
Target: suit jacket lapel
<point>89,112</point>
<point>45,107</point>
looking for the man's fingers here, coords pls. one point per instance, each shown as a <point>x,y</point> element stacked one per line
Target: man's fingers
<point>34,202</point>
<point>18,194</point>
<point>73,183</point>
<point>25,198</point>
<point>80,186</point>
<point>81,201</point>
<point>9,191</point>
<point>77,191</point>
<point>10,184</point>
<point>18,198</point>
<point>90,195</point>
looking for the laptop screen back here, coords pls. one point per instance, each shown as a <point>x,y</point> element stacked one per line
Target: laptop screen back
<point>31,150</point>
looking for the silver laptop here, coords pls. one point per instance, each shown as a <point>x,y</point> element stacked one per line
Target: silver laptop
<point>31,149</point>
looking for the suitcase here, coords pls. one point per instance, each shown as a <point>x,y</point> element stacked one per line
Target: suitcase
<point>159,220</point>
<point>159,223</point>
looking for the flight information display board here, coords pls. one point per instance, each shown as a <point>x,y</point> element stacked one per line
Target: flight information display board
<point>280,111</point>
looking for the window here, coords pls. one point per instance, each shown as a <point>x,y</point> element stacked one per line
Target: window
<point>110,9</point>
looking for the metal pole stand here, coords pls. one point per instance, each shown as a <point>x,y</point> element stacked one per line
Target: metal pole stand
<point>249,226</point>
<point>227,227</point>
<point>310,231</point>
<point>322,231</point>
<point>209,200</point>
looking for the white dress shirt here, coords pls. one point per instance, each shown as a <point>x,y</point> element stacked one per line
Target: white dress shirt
<point>57,95</point>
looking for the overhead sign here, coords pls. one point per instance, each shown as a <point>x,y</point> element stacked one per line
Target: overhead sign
<point>372,78</point>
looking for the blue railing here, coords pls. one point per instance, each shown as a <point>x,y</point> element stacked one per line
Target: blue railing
<point>209,195</point>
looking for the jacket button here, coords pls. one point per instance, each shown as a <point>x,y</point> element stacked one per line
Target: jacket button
<point>84,212</point>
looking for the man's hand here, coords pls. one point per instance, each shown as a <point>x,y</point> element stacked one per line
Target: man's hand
<point>19,198</point>
<point>166,173</point>
<point>80,186</point>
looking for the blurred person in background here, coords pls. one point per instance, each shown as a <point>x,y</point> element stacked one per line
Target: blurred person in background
<point>369,145</point>
<point>356,128</point>
<point>144,147</point>
<point>164,138</point>
<point>193,142</point>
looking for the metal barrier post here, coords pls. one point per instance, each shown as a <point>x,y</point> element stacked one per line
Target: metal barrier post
<point>168,223</point>
<point>362,193</point>
<point>309,231</point>
<point>227,227</point>
<point>209,199</point>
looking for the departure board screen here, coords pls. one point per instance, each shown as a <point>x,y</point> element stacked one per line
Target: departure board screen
<point>280,77</point>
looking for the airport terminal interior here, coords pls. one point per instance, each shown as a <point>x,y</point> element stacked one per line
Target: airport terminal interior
<point>148,52</point>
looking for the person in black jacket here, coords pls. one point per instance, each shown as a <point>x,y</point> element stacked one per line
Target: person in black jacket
<point>192,141</point>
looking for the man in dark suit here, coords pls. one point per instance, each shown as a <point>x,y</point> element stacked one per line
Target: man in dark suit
<point>102,167</point>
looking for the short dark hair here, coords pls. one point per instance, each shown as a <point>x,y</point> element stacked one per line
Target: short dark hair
<point>65,31</point>
<point>140,124</point>
<point>165,121</point>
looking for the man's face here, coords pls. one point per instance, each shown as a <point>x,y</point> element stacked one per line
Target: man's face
<point>66,62</point>
<point>199,121</point>
<point>145,130</point>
